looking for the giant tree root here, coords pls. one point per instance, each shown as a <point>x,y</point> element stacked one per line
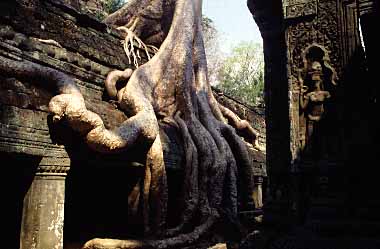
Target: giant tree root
<point>216,157</point>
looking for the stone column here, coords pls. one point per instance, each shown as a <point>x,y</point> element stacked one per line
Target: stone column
<point>258,197</point>
<point>269,17</point>
<point>258,192</point>
<point>43,211</point>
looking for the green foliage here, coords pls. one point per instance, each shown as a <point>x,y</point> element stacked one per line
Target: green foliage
<point>110,6</point>
<point>242,73</point>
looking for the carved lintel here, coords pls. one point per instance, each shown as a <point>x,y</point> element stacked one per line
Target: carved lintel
<point>53,166</point>
<point>300,9</point>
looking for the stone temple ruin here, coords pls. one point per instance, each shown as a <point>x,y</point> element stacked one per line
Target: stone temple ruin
<point>314,186</point>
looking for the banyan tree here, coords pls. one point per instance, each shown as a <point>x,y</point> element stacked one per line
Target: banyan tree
<point>170,86</point>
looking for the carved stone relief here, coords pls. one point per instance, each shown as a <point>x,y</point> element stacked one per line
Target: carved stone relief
<point>317,23</point>
<point>295,9</point>
<point>309,22</point>
<point>316,84</point>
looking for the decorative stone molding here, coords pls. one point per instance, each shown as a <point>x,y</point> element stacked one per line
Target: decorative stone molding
<point>50,166</point>
<point>294,9</point>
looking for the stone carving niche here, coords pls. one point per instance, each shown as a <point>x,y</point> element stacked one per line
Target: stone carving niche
<point>316,84</point>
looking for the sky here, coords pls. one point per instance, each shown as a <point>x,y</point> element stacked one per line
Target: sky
<point>233,20</point>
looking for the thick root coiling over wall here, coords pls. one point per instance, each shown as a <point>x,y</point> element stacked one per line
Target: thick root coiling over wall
<point>69,104</point>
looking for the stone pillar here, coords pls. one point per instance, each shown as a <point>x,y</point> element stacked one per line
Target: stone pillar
<point>269,17</point>
<point>258,192</point>
<point>258,197</point>
<point>43,211</point>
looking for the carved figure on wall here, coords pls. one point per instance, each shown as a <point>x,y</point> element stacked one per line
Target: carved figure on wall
<point>311,102</point>
<point>170,87</point>
<point>316,84</point>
